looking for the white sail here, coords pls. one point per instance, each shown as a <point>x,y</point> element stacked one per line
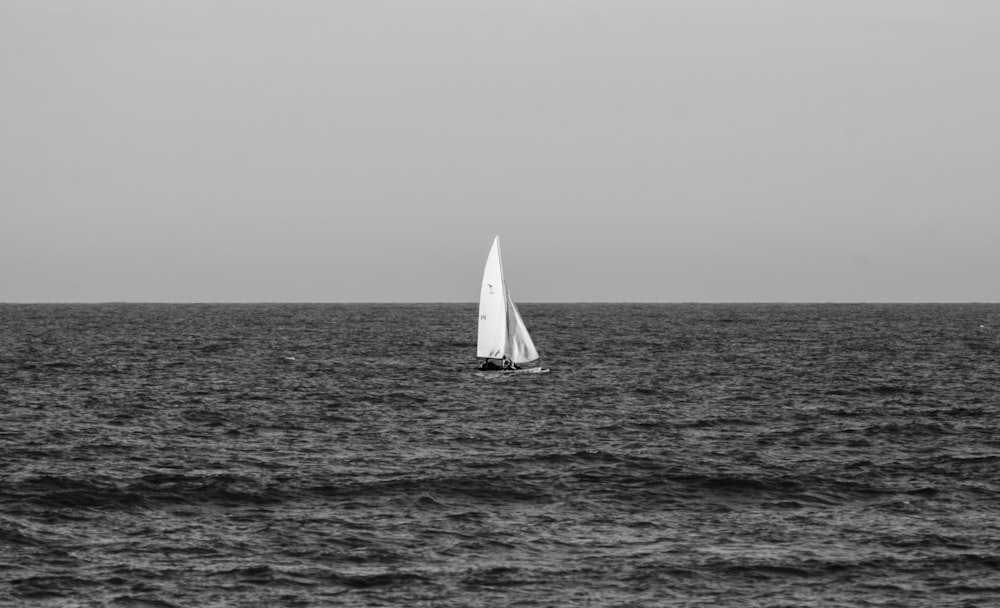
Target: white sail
<point>520,347</point>
<point>501,330</point>
<point>492,308</point>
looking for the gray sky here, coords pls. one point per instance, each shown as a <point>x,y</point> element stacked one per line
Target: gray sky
<point>708,150</point>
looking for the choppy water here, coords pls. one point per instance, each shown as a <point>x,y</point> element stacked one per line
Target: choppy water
<point>347,455</point>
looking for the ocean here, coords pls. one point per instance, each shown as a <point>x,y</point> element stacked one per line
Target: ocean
<point>349,455</point>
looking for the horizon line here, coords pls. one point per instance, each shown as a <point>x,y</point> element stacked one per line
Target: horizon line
<point>473,302</point>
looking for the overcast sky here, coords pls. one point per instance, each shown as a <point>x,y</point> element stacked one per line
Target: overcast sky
<point>356,151</point>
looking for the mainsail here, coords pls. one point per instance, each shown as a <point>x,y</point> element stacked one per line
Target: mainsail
<point>501,330</point>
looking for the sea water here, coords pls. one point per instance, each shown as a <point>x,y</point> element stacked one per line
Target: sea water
<point>349,455</point>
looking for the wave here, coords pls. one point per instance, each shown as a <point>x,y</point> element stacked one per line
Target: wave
<point>75,493</point>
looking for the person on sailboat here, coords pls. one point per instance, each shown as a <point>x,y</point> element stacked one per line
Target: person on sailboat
<point>505,364</point>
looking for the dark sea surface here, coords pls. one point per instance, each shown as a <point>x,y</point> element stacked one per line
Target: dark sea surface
<point>348,455</point>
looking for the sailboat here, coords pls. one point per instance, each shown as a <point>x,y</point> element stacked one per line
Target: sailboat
<point>504,343</point>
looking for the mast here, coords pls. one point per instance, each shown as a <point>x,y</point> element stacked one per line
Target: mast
<point>507,338</point>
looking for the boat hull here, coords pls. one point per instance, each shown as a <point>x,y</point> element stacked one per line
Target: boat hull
<point>499,372</point>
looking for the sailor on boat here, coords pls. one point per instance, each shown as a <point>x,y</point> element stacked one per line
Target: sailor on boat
<point>506,364</point>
